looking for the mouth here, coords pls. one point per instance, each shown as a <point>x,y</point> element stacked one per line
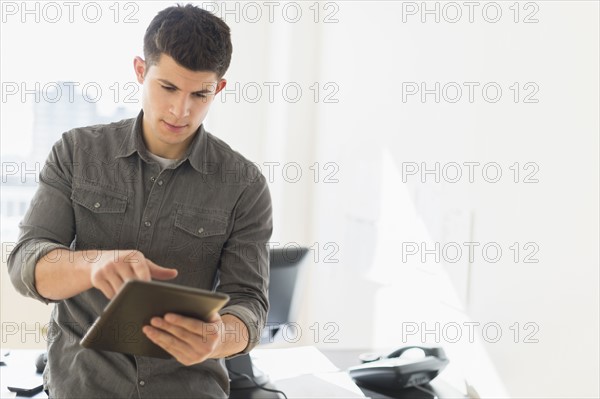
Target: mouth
<point>175,128</point>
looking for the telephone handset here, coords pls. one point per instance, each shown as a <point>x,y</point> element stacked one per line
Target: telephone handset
<point>396,372</point>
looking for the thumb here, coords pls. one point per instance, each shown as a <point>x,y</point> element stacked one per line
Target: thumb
<point>213,318</point>
<point>161,273</point>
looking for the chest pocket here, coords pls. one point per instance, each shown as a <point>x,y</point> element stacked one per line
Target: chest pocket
<point>197,239</point>
<point>200,224</point>
<point>99,216</point>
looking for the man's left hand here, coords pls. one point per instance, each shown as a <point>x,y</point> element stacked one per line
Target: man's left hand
<point>189,340</point>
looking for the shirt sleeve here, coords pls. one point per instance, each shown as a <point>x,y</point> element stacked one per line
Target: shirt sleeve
<point>48,224</point>
<point>244,268</point>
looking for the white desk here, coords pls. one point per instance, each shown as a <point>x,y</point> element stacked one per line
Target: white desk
<point>309,373</point>
<point>300,372</point>
<point>19,371</point>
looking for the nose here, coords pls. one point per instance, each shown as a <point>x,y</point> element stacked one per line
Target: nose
<point>180,107</point>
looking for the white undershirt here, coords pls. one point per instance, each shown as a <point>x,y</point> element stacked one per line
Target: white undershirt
<point>163,162</point>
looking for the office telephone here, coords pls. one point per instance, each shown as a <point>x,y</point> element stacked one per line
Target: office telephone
<point>395,372</point>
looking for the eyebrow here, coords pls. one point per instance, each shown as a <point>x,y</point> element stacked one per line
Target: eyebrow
<point>205,91</point>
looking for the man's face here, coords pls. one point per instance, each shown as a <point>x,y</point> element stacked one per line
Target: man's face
<point>175,101</point>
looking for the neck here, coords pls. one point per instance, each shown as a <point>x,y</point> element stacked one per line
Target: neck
<point>162,149</point>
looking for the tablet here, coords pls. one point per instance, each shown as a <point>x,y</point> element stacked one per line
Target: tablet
<point>119,327</point>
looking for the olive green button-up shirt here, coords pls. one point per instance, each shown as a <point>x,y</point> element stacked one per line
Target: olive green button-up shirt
<point>208,215</point>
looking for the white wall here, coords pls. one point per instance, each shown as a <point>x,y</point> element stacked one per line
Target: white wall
<point>559,214</point>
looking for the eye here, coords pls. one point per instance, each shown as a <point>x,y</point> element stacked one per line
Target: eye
<point>168,88</point>
<point>200,95</point>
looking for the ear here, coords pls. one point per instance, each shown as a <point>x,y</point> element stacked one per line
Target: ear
<point>139,66</point>
<point>220,85</point>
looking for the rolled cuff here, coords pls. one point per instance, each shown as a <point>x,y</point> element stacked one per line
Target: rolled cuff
<point>22,263</point>
<point>251,322</point>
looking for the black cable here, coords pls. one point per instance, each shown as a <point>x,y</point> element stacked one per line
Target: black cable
<point>258,385</point>
<point>423,389</point>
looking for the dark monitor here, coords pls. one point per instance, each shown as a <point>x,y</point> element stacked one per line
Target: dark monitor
<point>284,264</point>
<point>284,267</point>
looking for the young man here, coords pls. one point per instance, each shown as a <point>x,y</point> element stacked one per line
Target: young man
<point>155,197</point>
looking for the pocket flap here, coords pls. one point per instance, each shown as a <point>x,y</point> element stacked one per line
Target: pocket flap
<point>200,224</point>
<point>99,201</point>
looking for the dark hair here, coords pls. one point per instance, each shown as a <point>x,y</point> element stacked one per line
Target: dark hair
<point>193,37</point>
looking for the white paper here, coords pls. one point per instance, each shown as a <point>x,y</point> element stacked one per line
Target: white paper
<point>285,363</point>
<point>304,372</point>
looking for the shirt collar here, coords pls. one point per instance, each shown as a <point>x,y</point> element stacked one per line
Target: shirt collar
<point>195,154</point>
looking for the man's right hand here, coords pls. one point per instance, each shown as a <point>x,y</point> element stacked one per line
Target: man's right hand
<point>63,273</point>
<point>114,268</point>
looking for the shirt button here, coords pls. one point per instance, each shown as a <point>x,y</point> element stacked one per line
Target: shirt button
<point>147,223</point>
<point>200,230</point>
<point>152,179</point>
<point>97,205</point>
<point>142,383</point>
<point>160,182</point>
